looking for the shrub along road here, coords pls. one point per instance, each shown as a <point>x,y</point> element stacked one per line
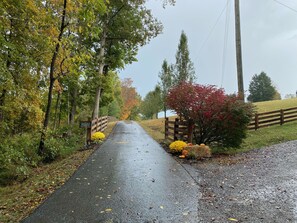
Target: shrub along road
<point>129,179</point>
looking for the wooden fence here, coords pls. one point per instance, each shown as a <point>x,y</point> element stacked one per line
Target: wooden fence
<point>95,125</point>
<point>179,130</point>
<point>182,130</point>
<point>278,117</point>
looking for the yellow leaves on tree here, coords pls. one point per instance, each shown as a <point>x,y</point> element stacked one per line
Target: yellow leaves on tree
<point>130,98</point>
<point>57,86</point>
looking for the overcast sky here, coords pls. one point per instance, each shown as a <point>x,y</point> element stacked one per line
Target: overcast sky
<point>269,43</point>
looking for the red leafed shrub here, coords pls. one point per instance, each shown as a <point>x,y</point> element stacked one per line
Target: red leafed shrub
<point>218,118</point>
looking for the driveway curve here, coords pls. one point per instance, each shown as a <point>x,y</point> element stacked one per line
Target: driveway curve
<point>130,178</point>
<point>259,186</point>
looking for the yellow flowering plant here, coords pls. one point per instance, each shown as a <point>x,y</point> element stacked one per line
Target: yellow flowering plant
<point>98,136</point>
<point>177,146</point>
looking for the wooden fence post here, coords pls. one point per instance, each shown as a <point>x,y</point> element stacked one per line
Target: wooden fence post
<point>191,127</point>
<point>166,128</point>
<point>175,133</point>
<point>256,121</point>
<point>281,116</point>
<point>97,124</point>
<point>89,132</point>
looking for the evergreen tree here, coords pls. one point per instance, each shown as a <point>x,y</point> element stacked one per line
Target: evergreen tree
<point>166,77</point>
<point>261,88</point>
<point>184,67</point>
<point>152,104</point>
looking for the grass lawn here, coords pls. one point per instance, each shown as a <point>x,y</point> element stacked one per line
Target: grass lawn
<point>155,128</point>
<point>267,106</point>
<point>255,139</point>
<point>269,136</point>
<point>20,199</point>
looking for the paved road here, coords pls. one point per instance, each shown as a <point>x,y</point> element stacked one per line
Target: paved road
<point>259,186</point>
<point>130,178</point>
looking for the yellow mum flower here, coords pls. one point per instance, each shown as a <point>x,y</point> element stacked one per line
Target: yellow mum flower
<point>177,146</point>
<point>98,136</point>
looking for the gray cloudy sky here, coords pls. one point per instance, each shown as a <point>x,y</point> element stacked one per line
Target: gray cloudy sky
<point>269,43</point>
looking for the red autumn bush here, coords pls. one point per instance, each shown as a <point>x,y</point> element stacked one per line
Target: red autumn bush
<point>218,118</point>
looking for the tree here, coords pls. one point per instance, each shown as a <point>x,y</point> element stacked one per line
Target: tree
<point>219,119</point>
<point>288,96</point>
<point>166,77</point>
<point>111,99</point>
<point>52,77</point>
<point>261,88</point>
<point>277,95</point>
<point>130,99</point>
<point>126,26</point>
<point>184,67</point>
<point>21,47</point>
<point>152,104</point>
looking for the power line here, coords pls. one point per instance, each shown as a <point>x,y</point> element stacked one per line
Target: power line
<point>283,4</point>
<point>226,36</point>
<point>211,31</point>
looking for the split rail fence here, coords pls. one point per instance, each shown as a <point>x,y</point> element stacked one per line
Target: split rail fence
<point>95,125</point>
<point>183,130</point>
<point>278,117</point>
<point>179,130</point>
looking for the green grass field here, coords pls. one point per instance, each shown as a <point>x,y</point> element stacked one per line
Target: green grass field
<point>276,104</point>
<point>255,139</point>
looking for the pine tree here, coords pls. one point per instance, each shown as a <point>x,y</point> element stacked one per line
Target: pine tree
<point>184,67</point>
<point>261,88</point>
<point>166,77</point>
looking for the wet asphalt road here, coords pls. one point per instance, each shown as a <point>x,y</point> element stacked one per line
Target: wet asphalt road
<point>130,178</point>
<point>259,186</point>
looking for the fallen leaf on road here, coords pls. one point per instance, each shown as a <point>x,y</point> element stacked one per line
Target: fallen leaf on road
<point>233,219</point>
<point>121,142</point>
<point>161,207</point>
<point>108,210</point>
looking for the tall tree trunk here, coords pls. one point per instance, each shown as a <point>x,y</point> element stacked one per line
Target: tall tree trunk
<point>8,63</point>
<point>60,114</point>
<point>101,68</point>
<point>73,94</point>
<point>52,80</point>
<point>68,108</point>
<point>56,109</point>
<point>2,101</point>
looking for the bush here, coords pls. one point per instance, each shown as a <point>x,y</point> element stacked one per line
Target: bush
<point>12,165</point>
<point>219,119</point>
<point>177,146</point>
<point>52,149</point>
<point>17,155</point>
<point>62,142</point>
<point>98,136</point>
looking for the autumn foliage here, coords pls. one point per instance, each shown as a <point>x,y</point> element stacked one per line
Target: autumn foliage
<point>218,118</point>
<point>130,98</point>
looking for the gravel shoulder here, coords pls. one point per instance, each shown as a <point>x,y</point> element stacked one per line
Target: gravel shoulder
<point>258,186</point>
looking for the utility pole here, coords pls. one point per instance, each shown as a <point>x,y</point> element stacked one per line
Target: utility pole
<point>238,51</point>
